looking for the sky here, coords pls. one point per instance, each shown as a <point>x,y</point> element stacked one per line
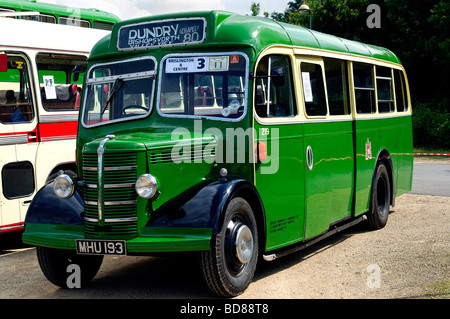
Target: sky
<point>128,9</point>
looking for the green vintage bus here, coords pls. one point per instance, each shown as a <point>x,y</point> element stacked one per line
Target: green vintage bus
<point>57,14</point>
<point>234,136</point>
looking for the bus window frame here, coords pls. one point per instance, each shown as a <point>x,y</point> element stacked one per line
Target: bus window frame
<point>30,82</point>
<point>75,20</point>
<point>80,85</point>
<point>200,117</point>
<point>110,79</point>
<point>296,96</point>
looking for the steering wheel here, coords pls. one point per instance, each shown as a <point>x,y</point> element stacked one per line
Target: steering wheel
<point>131,106</point>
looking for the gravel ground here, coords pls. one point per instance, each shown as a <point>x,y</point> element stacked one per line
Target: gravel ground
<point>409,258</point>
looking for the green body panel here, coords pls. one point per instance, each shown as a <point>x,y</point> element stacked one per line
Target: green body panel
<point>150,241</point>
<point>329,183</point>
<point>393,135</point>
<point>280,183</point>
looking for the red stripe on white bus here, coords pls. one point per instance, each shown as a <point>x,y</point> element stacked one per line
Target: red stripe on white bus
<point>11,227</point>
<point>57,131</point>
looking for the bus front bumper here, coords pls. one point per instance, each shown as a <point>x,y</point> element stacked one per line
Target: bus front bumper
<point>151,240</point>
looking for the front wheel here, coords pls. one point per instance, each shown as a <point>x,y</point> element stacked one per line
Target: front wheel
<point>54,264</point>
<point>380,199</point>
<point>229,266</point>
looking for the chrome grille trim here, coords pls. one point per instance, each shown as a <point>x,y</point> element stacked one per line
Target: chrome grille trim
<point>113,203</point>
<point>121,185</point>
<point>112,220</point>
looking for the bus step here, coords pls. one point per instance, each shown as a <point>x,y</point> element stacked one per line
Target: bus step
<point>299,247</point>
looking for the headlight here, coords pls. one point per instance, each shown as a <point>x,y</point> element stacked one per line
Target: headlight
<point>146,186</point>
<point>63,186</point>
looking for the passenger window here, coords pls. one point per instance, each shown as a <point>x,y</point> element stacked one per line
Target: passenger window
<point>384,90</point>
<point>364,87</point>
<point>15,92</point>
<point>60,78</point>
<point>400,91</point>
<point>313,89</point>
<point>337,87</point>
<point>274,93</point>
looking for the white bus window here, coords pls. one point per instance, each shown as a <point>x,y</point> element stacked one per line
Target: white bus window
<point>15,94</point>
<point>364,87</point>
<point>60,78</point>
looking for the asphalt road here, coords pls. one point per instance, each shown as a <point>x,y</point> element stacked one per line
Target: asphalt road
<point>431,178</point>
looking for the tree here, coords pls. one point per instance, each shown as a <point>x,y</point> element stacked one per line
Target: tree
<point>255,8</point>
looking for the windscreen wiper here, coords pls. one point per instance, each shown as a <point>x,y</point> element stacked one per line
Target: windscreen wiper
<point>112,93</point>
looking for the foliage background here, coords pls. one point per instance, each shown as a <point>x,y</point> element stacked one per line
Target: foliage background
<point>418,32</point>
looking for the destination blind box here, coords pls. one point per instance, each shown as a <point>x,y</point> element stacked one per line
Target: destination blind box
<point>162,33</point>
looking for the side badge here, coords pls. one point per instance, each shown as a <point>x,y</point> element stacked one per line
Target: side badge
<point>368,150</point>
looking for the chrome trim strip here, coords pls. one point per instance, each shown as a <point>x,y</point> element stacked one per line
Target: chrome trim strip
<point>58,118</point>
<point>58,138</point>
<point>13,139</point>
<point>121,220</point>
<point>120,168</point>
<point>122,185</point>
<point>113,203</point>
<point>121,202</point>
<point>100,152</point>
<point>112,220</point>
<point>111,169</point>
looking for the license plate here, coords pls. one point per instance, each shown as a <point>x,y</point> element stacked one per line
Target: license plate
<point>101,247</point>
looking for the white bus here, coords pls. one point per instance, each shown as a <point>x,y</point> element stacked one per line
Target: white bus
<point>41,74</point>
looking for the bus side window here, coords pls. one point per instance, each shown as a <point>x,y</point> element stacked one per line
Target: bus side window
<point>400,91</point>
<point>384,90</point>
<point>337,86</point>
<point>15,92</point>
<point>313,89</point>
<point>274,100</point>
<point>364,87</point>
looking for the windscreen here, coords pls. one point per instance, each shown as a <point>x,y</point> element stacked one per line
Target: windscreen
<point>212,86</point>
<point>119,91</point>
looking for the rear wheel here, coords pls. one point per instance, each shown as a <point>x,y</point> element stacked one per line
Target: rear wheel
<point>54,263</point>
<point>380,199</point>
<point>228,268</point>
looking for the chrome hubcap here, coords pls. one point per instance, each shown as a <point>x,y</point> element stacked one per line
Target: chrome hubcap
<point>244,244</point>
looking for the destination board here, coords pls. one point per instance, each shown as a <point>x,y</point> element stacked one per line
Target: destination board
<point>161,34</point>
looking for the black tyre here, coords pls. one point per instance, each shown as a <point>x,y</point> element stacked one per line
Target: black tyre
<point>54,263</point>
<point>380,199</point>
<point>229,266</point>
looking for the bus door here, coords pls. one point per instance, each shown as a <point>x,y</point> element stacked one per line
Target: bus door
<point>278,144</point>
<point>328,144</point>
<point>18,139</point>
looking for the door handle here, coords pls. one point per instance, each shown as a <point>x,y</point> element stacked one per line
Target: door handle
<point>32,137</point>
<point>309,158</point>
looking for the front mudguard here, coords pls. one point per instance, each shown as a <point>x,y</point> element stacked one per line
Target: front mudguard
<point>202,206</point>
<point>47,208</point>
